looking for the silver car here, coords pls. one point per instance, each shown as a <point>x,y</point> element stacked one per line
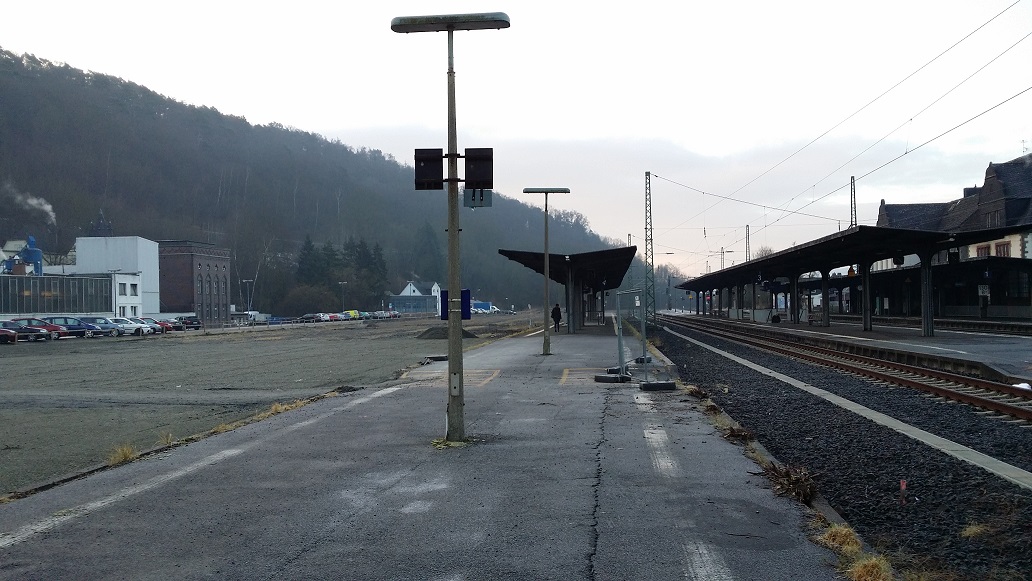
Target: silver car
<point>130,327</point>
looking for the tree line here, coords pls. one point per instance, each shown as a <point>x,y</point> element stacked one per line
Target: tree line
<point>86,143</point>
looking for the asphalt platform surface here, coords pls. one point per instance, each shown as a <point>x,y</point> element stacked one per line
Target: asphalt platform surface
<point>564,478</point>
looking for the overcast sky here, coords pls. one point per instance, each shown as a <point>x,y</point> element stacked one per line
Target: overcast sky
<point>771,104</point>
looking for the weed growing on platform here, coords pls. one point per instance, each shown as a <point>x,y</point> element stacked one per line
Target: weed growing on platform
<point>122,454</point>
<point>166,439</point>
<point>444,444</point>
<point>737,433</point>
<point>696,391</point>
<point>793,481</point>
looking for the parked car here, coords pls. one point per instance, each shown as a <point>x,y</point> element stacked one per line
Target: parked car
<point>154,327</point>
<point>173,325</point>
<point>130,327</point>
<point>76,327</point>
<point>54,331</point>
<point>106,326</point>
<point>25,332</point>
<point>190,322</point>
<point>8,335</point>
<point>314,317</point>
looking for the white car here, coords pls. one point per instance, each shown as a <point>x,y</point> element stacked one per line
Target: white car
<point>131,327</point>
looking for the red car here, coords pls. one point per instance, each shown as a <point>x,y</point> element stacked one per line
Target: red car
<point>54,331</point>
<point>165,326</point>
<point>8,336</point>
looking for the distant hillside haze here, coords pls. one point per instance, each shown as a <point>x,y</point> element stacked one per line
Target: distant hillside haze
<point>74,144</point>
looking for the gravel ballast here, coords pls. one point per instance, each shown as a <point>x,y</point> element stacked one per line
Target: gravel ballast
<point>859,465</point>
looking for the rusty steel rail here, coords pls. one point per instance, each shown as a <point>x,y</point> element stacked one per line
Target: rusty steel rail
<point>887,371</point>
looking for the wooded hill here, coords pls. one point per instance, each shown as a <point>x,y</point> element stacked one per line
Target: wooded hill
<point>74,144</point>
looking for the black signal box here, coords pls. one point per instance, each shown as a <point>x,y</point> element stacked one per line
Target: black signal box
<point>429,169</point>
<point>479,168</point>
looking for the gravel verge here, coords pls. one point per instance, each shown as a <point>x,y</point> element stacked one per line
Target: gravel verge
<point>859,465</point>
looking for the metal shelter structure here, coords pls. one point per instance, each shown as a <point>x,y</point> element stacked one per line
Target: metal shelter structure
<point>587,273</point>
<point>858,245</point>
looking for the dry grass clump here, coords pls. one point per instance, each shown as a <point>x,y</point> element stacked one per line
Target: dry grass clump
<point>166,439</point>
<point>278,408</point>
<point>711,408</point>
<point>975,530</point>
<point>840,538</point>
<point>853,562</point>
<point>870,568</point>
<point>738,434</point>
<point>122,454</point>
<point>696,391</point>
<point>444,444</point>
<point>793,481</point>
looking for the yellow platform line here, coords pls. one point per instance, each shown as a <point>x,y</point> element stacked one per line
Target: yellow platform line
<point>476,377</point>
<point>579,373</point>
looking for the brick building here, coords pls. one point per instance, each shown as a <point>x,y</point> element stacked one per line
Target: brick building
<point>195,279</point>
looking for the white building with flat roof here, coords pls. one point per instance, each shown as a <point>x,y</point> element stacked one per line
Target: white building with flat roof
<point>133,263</point>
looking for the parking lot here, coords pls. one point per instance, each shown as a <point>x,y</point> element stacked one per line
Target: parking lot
<point>65,405</point>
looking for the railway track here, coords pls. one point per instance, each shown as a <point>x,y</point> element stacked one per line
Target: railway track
<point>980,393</point>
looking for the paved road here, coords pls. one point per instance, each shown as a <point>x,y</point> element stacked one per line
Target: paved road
<point>565,479</point>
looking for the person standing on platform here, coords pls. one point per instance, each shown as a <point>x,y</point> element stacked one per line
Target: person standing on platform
<point>557,315</point>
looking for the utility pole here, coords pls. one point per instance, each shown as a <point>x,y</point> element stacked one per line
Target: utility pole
<point>650,278</point>
<point>852,201</point>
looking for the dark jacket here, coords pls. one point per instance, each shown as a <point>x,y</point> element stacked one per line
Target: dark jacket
<point>557,315</point>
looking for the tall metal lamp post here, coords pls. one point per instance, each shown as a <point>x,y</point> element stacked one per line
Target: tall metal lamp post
<point>343,300</point>
<point>450,23</point>
<point>546,348</point>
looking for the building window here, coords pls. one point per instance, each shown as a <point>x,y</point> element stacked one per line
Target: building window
<point>135,314</point>
<point>200,285</point>
<point>1003,249</point>
<point>121,289</point>
<point>133,291</point>
<point>121,311</point>
<point>983,250</point>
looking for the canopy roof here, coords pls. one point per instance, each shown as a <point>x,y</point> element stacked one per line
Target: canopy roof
<point>858,244</point>
<point>598,270</point>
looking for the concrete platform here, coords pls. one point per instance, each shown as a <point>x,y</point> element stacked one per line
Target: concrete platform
<point>563,478</point>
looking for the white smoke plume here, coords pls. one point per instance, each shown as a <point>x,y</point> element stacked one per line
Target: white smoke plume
<point>30,202</point>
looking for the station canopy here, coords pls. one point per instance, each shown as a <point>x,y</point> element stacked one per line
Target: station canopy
<point>599,270</point>
<point>856,245</point>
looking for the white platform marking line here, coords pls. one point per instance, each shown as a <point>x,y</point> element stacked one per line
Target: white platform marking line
<point>1006,471</point>
<point>30,530</point>
<point>704,564</point>
<point>664,463</point>
<point>657,440</point>
<point>66,515</point>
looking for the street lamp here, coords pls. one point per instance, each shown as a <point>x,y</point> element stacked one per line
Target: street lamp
<point>343,300</point>
<point>546,348</point>
<point>450,23</point>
